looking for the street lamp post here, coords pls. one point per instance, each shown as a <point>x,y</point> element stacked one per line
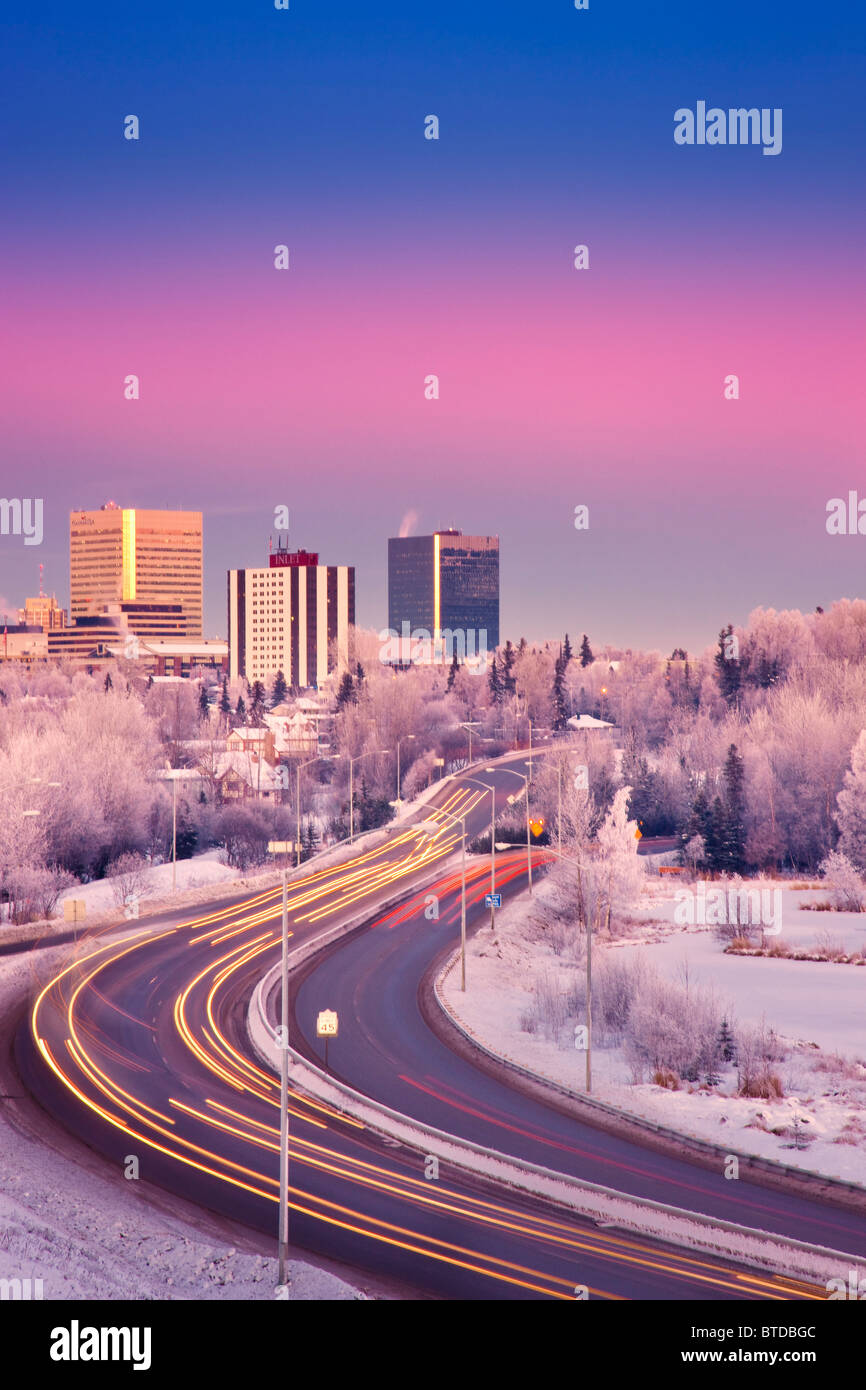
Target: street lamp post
<point>559,808</point>
<point>174,774</point>
<point>357,758</point>
<point>468,727</point>
<point>492,792</point>
<point>298,770</point>
<point>282,847</point>
<point>569,860</point>
<point>525,780</point>
<point>399,741</point>
<point>461,820</point>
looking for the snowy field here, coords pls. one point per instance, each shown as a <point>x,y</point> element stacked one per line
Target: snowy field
<point>805,1001</point>
<point>818,1010</point>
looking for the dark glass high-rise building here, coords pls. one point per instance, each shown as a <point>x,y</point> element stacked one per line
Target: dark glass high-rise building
<point>447,585</point>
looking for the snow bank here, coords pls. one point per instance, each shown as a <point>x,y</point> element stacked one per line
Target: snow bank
<point>824,1092</point>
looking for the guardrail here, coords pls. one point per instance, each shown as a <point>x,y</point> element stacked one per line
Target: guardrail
<point>763,1250</point>
<point>639,1121</point>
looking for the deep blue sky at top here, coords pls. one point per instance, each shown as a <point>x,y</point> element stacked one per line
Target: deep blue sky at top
<point>498,65</point>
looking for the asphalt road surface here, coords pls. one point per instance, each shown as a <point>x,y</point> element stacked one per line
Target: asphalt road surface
<point>141,1048</point>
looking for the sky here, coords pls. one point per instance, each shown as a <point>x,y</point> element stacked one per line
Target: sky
<point>559,388</point>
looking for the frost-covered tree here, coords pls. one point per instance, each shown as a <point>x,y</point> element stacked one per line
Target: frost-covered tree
<point>558,694</point>
<point>851,803</point>
<point>847,889</point>
<point>494,683</point>
<point>672,1028</point>
<point>727,663</point>
<point>732,831</point>
<point>774,644</point>
<point>840,633</point>
<point>128,875</point>
<point>613,875</point>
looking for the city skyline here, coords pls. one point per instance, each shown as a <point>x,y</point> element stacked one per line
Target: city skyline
<point>372,611</point>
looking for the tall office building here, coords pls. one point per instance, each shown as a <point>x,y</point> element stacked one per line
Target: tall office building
<point>446,584</point>
<point>139,556</point>
<point>294,616</point>
<point>43,611</point>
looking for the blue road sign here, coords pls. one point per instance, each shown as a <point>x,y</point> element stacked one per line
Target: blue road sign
<point>493,900</point>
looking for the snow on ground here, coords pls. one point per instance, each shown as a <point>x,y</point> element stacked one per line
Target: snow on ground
<point>802,928</point>
<point>87,1234</point>
<point>807,1003</point>
<point>200,880</point>
<point>207,870</point>
<point>199,872</point>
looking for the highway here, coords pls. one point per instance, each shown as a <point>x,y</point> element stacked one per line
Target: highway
<point>141,1048</point>
<point>387,1051</point>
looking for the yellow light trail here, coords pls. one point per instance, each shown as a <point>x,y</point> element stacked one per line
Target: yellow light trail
<point>319,895</point>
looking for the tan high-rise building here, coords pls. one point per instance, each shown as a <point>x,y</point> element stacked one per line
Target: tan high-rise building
<point>43,611</point>
<point>135,555</point>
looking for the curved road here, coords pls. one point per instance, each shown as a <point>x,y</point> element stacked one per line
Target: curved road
<point>387,1051</point>
<point>142,1048</point>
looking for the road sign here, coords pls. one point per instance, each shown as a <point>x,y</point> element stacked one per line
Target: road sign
<point>327,1024</point>
<point>438,762</point>
<point>493,900</point>
<point>281,846</point>
<point>74,909</point>
<point>638,833</point>
<point>536,826</point>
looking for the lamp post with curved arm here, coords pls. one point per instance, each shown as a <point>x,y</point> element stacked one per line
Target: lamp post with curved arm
<point>569,859</point>
<point>399,741</point>
<point>492,791</point>
<point>298,770</point>
<point>357,758</point>
<point>525,780</point>
<point>430,827</point>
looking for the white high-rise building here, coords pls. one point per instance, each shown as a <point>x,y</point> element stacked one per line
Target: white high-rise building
<point>293,616</point>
